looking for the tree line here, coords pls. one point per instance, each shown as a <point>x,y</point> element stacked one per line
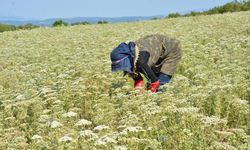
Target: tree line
<point>6,27</point>
<point>64,23</point>
<point>234,6</point>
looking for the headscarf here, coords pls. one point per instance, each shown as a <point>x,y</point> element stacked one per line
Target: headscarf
<point>124,58</point>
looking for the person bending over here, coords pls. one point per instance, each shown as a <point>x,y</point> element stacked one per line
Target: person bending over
<point>154,56</point>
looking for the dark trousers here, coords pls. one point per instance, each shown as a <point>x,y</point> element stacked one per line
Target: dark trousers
<point>164,78</point>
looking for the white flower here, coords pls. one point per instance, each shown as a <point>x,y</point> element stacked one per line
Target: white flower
<point>237,131</point>
<point>66,139</point>
<point>55,124</point>
<point>34,137</point>
<point>150,109</point>
<point>46,111</point>
<point>185,110</point>
<point>213,120</point>
<point>88,133</point>
<point>100,128</point>
<point>100,142</point>
<point>123,133</point>
<point>69,114</point>
<point>83,122</point>
<point>222,145</point>
<point>20,97</point>
<point>187,132</point>
<point>61,76</point>
<point>242,102</point>
<point>163,118</point>
<point>150,128</point>
<point>57,102</point>
<point>10,118</point>
<point>133,129</point>
<point>105,140</point>
<point>45,91</point>
<point>241,105</point>
<point>225,133</point>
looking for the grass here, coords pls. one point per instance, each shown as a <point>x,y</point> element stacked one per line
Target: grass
<point>57,90</point>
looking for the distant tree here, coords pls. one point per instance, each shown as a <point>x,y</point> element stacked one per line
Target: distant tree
<point>173,15</point>
<point>212,11</point>
<point>5,27</point>
<point>155,18</point>
<point>246,6</point>
<point>80,23</point>
<point>193,13</point>
<point>102,22</point>
<point>59,23</point>
<point>27,26</point>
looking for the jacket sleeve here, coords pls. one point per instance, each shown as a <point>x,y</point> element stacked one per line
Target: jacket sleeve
<point>144,68</point>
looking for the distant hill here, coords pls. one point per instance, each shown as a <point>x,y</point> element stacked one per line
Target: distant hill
<point>49,22</point>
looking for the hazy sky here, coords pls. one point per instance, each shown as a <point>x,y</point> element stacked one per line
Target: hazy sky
<point>43,9</point>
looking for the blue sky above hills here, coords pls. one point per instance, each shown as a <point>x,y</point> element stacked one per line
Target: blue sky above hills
<point>44,9</point>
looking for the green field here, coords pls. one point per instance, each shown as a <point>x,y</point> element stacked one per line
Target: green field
<point>57,90</point>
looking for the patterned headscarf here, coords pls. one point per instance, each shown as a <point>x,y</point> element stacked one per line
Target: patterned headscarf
<point>124,58</point>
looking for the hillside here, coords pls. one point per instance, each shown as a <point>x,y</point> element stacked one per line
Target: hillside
<point>57,90</point>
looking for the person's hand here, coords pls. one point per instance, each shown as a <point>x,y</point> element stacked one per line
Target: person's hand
<point>154,86</point>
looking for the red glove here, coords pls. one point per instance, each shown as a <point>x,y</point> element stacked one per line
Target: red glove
<point>154,86</point>
<point>138,83</point>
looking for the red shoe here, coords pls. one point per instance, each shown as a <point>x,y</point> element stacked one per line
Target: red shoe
<point>154,86</point>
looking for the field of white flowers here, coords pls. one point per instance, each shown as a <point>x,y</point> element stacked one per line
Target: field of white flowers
<point>57,90</point>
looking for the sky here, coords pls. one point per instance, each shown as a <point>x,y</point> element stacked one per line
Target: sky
<point>44,9</point>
